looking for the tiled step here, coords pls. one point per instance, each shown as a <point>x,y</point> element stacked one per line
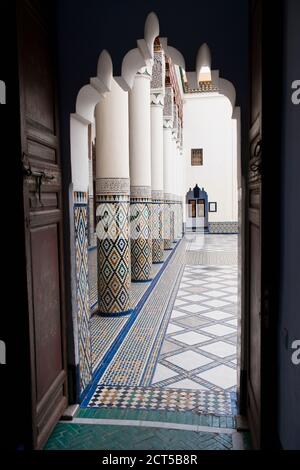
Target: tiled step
<point>164,399</point>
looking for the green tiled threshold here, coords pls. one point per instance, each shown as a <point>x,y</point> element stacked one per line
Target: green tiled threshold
<point>186,417</point>
<point>99,437</point>
<point>92,435</point>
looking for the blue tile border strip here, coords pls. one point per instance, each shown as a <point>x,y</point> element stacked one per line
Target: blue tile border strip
<point>87,394</point>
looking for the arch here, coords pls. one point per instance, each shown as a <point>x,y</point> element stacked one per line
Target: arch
<point>227,89</point>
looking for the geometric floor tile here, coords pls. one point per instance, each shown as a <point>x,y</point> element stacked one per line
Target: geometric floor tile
<point>168,399</point>
<point>216,303</point>
<point>214,285</point>
<point>168,347</point>
<point>217,315</point>
<point>173,328</point>
<point>194,298</point>
<point>177,314</point>
<point>194,308</point>
<point>218,330</point>
<point>232,322</point>
<point>187,384</point>
<point>191,338</point>
<point>232,298</point>
<point>219,348</point>
<point>162,373</point>
<point>215,293</point>
<point>189,360</point>
<point>222,376</point>
<point>188,352</point>
<point>232,290</point>
<point>192,321</point>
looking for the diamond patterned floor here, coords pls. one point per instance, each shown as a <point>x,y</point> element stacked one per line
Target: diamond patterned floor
<point>105,330</point>
<point>200,346</point>
<point>184,339</point>
<point>177,399</point>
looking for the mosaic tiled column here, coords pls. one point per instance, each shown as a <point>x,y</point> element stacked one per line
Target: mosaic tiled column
<point>140,175</point>
<point>82,288</point>
<point>157,226</point>
<point>168,222</point>
<point>157,152</point>
<point>113,202</point>
<point>140,233</point>
<point>113,245</point>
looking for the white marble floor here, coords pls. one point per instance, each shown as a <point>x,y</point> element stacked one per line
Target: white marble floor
<point>199,351</point>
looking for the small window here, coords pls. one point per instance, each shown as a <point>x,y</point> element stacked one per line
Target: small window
<point>212,207</point>
<point>197,157</point>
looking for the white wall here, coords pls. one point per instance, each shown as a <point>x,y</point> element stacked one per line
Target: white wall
<point>208,124</point>
<point>79,154</point>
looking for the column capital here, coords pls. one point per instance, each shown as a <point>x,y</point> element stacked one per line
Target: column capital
<point>157,98</point>
<point>168,123</point>
<point>145,72</point>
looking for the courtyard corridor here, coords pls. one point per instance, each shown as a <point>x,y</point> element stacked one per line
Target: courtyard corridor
<point>165,376</point>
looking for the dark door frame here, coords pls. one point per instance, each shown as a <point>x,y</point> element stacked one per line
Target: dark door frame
<point>272,83</point>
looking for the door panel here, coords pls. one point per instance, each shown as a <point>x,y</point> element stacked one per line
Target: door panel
<point>46,306</point>
<point>43,216</point>
<point>201,207</point>
<point>254,228</point>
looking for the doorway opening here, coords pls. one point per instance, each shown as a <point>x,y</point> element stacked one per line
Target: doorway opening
<point>165,324</point>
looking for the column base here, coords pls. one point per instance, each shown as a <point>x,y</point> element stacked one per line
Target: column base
<point>141,242</point>
<point>113,254</point>
<point>168,245</point>
<point>113,315</point>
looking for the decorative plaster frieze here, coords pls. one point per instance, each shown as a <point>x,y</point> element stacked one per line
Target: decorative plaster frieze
<point>158,71</point>
<point>114,186</point>
<point>140,192</point>
<point>157,195</point>
<point>169,103</point>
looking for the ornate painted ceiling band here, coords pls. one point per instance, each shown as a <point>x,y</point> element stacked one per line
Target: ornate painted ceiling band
<point>171,81</point>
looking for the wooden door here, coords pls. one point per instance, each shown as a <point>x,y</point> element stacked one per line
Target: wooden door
<point>254,227</point>
<point>201,208</point>
<point>43,217</point>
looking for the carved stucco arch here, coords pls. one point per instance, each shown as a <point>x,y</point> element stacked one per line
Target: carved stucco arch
<point>91,94</point>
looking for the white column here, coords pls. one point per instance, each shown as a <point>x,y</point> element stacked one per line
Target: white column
<point>168,187</point>
<point>157,176</point>
<point>168,126</point>
<point>112,190</point>
<point>157,152</point>
<point>140,175</point>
